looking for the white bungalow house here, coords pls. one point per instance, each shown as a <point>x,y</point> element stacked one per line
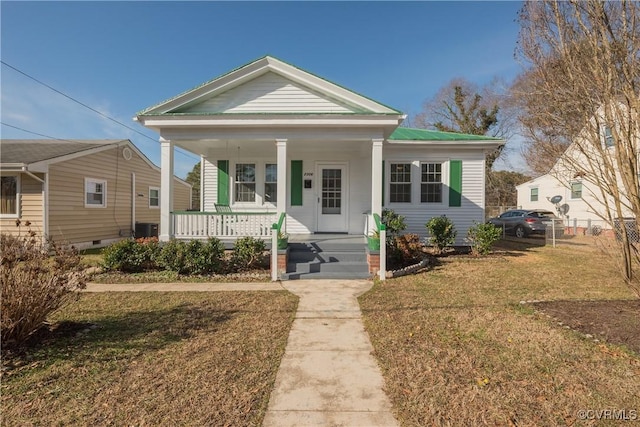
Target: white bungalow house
<point>276,140</point>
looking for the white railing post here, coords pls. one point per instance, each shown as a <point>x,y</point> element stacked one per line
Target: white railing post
<point>274,254</point>
<point>383,254</point>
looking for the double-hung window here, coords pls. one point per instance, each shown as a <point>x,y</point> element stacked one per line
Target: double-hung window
<point>271,183</point>
<point>576,190</point>
<point>431,183</point>
<point>95,193</point>
<point>154,197</point>
<point>245,183</point>
<point>608,137</point>
<point>9,196</point>
<point>534,194</point>
<point>400,183</point>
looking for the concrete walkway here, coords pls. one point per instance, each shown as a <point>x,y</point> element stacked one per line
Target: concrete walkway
<point>328,376</point>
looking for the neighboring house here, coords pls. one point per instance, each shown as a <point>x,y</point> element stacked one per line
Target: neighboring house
<point>275,139</point>
<point>583,202</point>
<point>87,193</point>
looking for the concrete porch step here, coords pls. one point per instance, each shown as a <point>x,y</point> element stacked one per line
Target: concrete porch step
<point>326,275</point>
<point>328,267</point>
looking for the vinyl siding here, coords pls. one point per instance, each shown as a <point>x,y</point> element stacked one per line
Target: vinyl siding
<point>71,221</point>
<point>473,182</point>
<point>302,219</point>
<point>270,93</point>
<point>30,207</point>
<point>210,184</point>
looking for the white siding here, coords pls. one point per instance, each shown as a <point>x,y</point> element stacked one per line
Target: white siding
<point>209,184</point>
<point>303,219</point>
<point>300,219</point>
<point>270,93</point>
<point>473,183</point>
<point>589,207</point>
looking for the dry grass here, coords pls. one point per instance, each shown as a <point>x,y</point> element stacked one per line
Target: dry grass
<point>154,359</point>
<point>457,348</point>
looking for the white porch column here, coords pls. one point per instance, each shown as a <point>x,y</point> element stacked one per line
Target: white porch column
<point>166,189</point>
<point>282,176</point>
<point>376,176</point>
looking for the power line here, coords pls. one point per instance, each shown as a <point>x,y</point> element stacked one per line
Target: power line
<point>178,149</point>
<point>35,133</point>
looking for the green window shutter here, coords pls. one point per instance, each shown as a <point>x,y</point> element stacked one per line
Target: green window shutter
<point>223,182</point>
<point>296,182</point>
<point>455,183</point>
<point>383,183</point>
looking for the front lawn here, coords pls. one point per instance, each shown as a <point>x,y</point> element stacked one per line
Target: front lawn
<point>152,359</point>
<point>456,347</point>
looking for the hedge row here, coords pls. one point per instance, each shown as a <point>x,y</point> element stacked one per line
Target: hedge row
<point>193,257</point>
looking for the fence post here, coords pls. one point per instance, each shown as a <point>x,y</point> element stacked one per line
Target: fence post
<point>575,226</point>
<point>553,230</point>
<point>589,232</point>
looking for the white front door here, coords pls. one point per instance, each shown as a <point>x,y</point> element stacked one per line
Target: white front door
<point>332,197</point>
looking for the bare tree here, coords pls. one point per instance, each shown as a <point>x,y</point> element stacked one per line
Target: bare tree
<point>580,92</point>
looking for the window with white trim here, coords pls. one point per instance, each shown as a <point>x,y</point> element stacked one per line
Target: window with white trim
<point>534,194</point>
<point>9,196</point>
<point>608,137</point>
<point>431,183</point>
<point>245,182</point>
<point>95,193</point>
<point>400,183</point>
<point>154,197</point>
<point>271,183</point>
<point>576,190</point>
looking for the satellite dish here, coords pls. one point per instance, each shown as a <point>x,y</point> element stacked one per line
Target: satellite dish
<point>563,209</point>
<point>556,199</point>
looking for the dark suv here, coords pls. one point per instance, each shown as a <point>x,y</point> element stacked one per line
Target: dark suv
<point>522,222</point>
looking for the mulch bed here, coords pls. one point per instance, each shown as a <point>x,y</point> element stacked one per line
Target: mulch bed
<point>613,321</point>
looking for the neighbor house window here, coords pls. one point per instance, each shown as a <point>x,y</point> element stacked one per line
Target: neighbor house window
<point>9,195</point>
<point>154,197</point>
<point>534,195</point>
<point>431,183</point>
<point>95,193</point>
<point>576,190</point>
<point>245,185</point>
<point>608,137</point>
<point>400,183</point>
<point>271,183</point>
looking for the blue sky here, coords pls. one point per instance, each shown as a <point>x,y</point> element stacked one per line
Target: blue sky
<point>121,57</point>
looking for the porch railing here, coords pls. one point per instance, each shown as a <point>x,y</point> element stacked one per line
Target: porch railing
<point>382,232</point>
<point>202,225</point>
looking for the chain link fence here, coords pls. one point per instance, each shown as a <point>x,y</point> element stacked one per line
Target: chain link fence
<point>561,230</point>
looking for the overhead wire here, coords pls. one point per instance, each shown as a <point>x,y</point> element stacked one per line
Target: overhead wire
<point>178,149</point>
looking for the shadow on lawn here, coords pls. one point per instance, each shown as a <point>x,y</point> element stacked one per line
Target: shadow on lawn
<point>135,331</point>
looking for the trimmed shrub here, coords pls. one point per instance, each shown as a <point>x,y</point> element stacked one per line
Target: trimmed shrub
<point>193,257</point>
<point>442,232</point>
<point>248,253</point>
<point>482,237</point>
<point>131,256</point>
<point>34,284</point>
<point>173,256</point>
<point>394,223</point>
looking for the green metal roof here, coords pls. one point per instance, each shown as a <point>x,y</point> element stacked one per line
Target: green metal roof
<point>411,134</point>
<point>145,111</point>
